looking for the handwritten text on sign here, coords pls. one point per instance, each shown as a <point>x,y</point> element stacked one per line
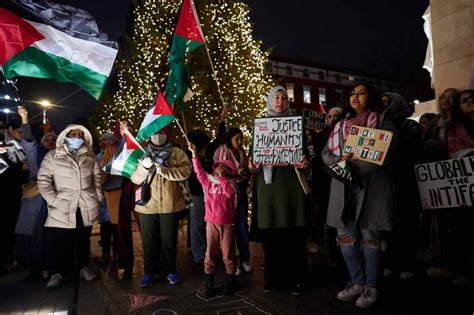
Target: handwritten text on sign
<point>314,120</point>
<point>368,144</point>
<point>278,141</point>
<point>446,184</point>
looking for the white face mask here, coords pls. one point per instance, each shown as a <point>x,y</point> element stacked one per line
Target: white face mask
<point>74,143</point>
<point>159,139</point>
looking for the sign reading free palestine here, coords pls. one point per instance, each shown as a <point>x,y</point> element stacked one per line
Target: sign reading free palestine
<point>278,141</point>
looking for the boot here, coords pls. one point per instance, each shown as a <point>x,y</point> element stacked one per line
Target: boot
<point>210,290</point>
<point>230,287</point>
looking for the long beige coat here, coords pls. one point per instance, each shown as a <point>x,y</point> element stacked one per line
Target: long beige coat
<point>166,191</point>
<point>70,182</point>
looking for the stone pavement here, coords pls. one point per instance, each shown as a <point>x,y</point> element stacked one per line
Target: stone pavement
<point>109,295</point>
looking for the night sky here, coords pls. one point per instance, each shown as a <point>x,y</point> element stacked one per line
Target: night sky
<point>383,37</point>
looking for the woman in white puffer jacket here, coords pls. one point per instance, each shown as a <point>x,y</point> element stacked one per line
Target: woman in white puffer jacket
<point>68,180</point>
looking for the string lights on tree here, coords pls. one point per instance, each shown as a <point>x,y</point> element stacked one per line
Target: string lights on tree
<point>240,66</point>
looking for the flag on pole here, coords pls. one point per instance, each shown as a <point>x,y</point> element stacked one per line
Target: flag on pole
<point>158,116</point>
<point>126,157</point>
<point>188,36</point>
<point>33,49</point>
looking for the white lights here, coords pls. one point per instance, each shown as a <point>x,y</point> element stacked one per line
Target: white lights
<point>238,60</point>
<point>7,110</point>
<point>7,97</point>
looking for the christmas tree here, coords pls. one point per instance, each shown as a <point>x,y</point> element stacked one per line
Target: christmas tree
<point>238,60</point>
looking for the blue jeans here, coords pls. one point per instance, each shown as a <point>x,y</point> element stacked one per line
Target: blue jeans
<point>197,227</point>
<point>362,252</point>
<point>242,229</point>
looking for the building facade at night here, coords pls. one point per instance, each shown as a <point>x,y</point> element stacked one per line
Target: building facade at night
<point>311,85</point>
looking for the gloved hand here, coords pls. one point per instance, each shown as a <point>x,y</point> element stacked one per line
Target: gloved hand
<point>146,162</point>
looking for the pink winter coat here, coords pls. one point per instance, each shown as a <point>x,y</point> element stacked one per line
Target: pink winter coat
<point>220,196</point>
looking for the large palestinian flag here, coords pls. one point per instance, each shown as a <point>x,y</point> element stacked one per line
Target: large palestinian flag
<point>38,50</point>
<point>188,36</point>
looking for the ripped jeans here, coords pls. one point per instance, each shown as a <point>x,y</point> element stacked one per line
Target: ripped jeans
<point>362,251</point>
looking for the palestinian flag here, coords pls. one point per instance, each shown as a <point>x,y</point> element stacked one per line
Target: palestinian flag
<point>158,116</point>
<point>38,50</point>
<point>126,157</point>
<point>188,36</point>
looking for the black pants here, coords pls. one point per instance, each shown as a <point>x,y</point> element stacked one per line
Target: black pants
<point>107,237</point>
<point>285,256</point>
<point>61,244</point>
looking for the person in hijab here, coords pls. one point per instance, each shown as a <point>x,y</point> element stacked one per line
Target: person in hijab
<point>166,170</point>
<point>282,215</point>
<point>69,181</point>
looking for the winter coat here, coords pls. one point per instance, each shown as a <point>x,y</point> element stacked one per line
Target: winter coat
<point>220,197</point>
<point>68,182</point>
<point>166,189</point>
<point>376,199</point>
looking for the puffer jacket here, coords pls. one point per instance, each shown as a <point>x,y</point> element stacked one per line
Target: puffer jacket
<point>166,189</point>
<point>68,182</point>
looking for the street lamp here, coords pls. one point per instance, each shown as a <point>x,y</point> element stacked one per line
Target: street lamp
<point>45,104</point>
<point>7,111</point>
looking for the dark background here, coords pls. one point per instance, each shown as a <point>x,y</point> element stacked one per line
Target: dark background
<point>381,37</point>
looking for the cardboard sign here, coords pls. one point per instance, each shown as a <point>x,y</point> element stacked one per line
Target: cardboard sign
<point>314,120</point>
<point>446,184</point>
<point>278,141</point>
<point>368,144</point>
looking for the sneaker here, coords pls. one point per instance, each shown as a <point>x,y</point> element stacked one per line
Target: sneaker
<point>351,292</point>
<point>461,281</point>
<point>210,290</point>
<point>297,290</point>
<point>405,275</point>
<point>313,248</point>
<point>246,267</point>
<point>87,274</point>
<point>173,278</point>
<point>238,272</point>
<point>127,274</point>
<point>269,289</point>
<point>230,286</point>
<point>368,298</point>
<point>147,281</point>
<point>438,273</point>
<point>55,281</point>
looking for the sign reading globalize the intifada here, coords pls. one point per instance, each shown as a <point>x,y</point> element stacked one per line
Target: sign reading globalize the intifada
<point>368,144</point>
<point>278,141</point>
<point>446,184</point>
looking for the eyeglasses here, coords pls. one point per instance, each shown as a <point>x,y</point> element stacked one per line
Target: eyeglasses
<point>466,99</point>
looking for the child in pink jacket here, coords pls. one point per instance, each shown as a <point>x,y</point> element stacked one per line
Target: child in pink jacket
<point>220,200</point>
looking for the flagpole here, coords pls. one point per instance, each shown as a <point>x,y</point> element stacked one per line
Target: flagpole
<point>181,128</point>
<point>214,72</point>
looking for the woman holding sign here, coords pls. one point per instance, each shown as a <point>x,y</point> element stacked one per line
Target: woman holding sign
<point>281,214</point>
<point>362,208</point>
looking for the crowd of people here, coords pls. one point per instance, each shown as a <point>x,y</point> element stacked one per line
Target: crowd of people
<point>58,189</point>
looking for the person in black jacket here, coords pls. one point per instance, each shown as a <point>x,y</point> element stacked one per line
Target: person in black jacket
<point>404,237</point>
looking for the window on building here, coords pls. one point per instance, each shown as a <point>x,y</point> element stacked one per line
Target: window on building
<point>305,73</point>
<point>339,98</point>
<point>321,76</point>
<point>307,94</point>
<point>322,95</point>
<point>338,78</point>
<point>289,70</point>
<point>290,88</point>
<point>269,67</point>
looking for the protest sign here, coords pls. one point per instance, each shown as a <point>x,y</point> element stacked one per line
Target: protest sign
<point>446,184</point>
<point>368,144</point>
<point>278,141</point>
<point>314,120</point>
